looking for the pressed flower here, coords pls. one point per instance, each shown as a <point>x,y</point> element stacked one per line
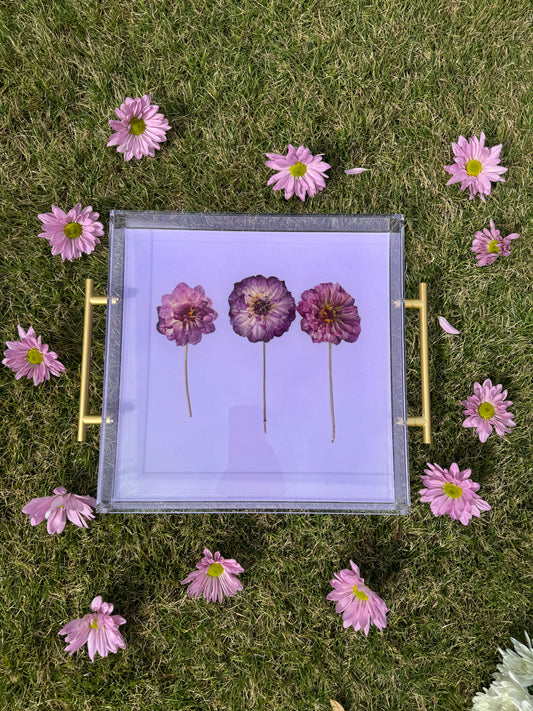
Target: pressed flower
<point>31,357</point>
<point>475,166</point>
<point>73,233</point>
<point>56,509</point>
<point>487,408</point>
<point>489,245</point>
<point>139,129</point>
<point>185,316</point>
<point>446,326</point>
<point>261,308</point>
<point>451,491</point>
<point>329,314</point>
<point>215,578</point>
<point>518,662</point>
<point>299,173</point>
<point>360,606</point>
<point>98,628</point>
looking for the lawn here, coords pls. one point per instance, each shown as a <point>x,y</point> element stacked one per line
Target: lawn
<point>384,85</point>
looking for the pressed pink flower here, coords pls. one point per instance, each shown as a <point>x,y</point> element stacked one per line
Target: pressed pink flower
<point>446,326</point>
<point>360,606</point>
<point>452,492</point>
<point>56,509</point>
<point>31,357</point>
<point>73,233</point>
<point>488,246</point>
<point>139,129</point>
<point>299,173</point>
<point>215,578</point>
<point>487,408</point>
<point>475,166</point>
<point>99,629</point>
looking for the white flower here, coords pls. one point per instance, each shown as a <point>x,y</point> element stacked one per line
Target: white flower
<point>519,662</point>
<point>506,694</point>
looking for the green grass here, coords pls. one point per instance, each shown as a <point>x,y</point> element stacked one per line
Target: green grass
<point>386,85</point>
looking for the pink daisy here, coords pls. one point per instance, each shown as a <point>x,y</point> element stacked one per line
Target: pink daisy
<point>99,629</point>
<point>359,605</point>
<point>488,246</point>
<point>55,509</point>
<point>31,357</point>
<point>475,166</point>
<point>299,172</point>
<point>139,130</point>
<point>486,409</point>
<point>215,577</point>
<point>73,233</point>
<point>452,492</point>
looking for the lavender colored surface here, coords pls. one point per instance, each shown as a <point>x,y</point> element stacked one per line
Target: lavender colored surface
<point>221,453</point>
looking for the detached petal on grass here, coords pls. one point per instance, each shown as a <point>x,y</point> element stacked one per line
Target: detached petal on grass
<point>446,326</point>
<point>355,171</point>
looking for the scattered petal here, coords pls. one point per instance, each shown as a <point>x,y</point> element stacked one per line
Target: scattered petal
<point>355,171</point>
<point>446,326</point>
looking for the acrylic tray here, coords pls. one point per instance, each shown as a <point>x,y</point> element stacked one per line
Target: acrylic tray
<point>155,458</point>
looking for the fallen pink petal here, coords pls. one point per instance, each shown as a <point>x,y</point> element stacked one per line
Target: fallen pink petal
<point>446,326</point>
<point>355,171</point>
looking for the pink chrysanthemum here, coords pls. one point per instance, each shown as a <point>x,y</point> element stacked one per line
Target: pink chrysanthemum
<point>55,509</point>
<point>99,629</point>
<point>185,315</point>
<point>73,233</point>
<point>487,408</point>
<point>452,492</point>
<point>488,246</point>
<point>31,357</point>
<point>299,173</point>
<point>475,166</point>
<point>360,606</point>
<point>139,129</point>
<point>215,578</point>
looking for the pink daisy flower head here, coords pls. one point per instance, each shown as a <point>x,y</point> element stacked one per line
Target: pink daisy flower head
<point>489,245</point>
<point>360,606</point>
<point>487,408</point>
<point>185,315</point>
<point>299,173</point>
<point>475,166</point>
<point>56,509</point>
<point>139,129</point>
<point>452,492</point>
<point>215,578</point>
<point>329,314</point>
<point>31,357</point>
<point>73,233</point>
<point>98,628</point>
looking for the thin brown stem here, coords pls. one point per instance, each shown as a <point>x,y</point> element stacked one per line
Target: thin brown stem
<point>187,382</point>
<point>264,389</point>
<point>331,397</point>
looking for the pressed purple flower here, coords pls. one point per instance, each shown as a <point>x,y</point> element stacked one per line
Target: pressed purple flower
<point>452,492</point>
<point>73,233</point>
<point>56,509</point>
<point>261,308</point>
<point>98,628</point>
<point>487,408</point>
<point>139,129</point>
<point>360,607</point>
<point>475,166</point>
<point>32,358</point>
<point>489,245</point>
<point>299,173</point>
<point>215,578</point>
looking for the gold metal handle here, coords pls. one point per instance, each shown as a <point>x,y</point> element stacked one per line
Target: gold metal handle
<point>422,305</point>
<point>90,301</point>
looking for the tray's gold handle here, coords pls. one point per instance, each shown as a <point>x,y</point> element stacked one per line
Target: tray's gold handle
<point>422,305</point>
<point>90,301</point>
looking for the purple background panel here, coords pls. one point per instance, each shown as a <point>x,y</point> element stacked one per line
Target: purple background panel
<point>222,453</point>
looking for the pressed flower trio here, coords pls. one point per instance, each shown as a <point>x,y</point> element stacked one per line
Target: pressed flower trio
<point>260,308</point>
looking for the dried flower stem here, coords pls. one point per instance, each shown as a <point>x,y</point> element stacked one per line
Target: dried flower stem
<point>264,389</point>
<point>331,397</point>
<point>187,382</point>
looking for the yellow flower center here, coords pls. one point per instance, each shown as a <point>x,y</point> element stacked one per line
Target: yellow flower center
<point>73,230</point>
<point>328,313</point>
<point>137,126</point>
<point>493,246</point>
<point>473,167</point>
<point>34,356</point>
<point>359,593</point>
<point>298,169</point>
<point>214,570</point>
<point>453,491</point>
<point>94,624</point>
<point>486,410</point>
